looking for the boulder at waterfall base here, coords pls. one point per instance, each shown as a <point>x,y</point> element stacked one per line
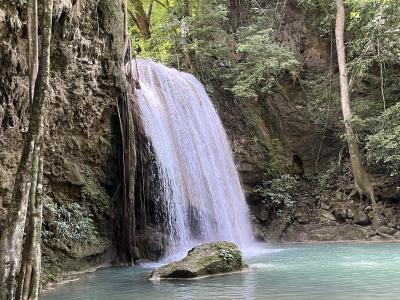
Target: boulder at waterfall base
<point>204,260</point>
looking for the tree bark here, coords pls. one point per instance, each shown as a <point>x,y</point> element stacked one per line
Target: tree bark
<point>33,47</point>
<point>185,8</point>
<point>27,185</point>
<point>361,177</point>
<point>30,272</point>
<point>140,18</point>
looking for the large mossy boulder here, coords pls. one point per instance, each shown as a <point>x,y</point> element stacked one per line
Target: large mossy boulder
<point>204,260</point>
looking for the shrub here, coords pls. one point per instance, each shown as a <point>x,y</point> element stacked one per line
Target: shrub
<point>72,222</point>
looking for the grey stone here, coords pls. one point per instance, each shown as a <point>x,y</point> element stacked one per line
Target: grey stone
<point>368,209</point>
<point>204,260</point>
<point>387,230</point>
<point>339,195</point>
<point>327,215</point>
<point>361,218</point>
<point>302,216</point>
<point>376,238</point>
<point>358,215</point>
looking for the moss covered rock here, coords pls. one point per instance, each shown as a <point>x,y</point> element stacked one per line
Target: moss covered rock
<point>204,260</point>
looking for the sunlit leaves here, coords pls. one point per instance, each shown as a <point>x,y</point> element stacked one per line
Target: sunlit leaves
<point>264,61</point>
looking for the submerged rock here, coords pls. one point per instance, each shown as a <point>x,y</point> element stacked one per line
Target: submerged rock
<point>204,260</point>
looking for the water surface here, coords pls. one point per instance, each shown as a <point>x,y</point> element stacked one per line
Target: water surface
<point>304,271</point>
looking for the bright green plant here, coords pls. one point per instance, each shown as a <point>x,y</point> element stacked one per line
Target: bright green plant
<point>279,192</point>
<point>72,222</point>
<point>226,255</point>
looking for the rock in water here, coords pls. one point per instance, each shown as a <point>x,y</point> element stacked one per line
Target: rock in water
<point>204,260</point>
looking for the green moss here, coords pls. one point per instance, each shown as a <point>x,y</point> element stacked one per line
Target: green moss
<point>92,192</point>
<point>276,160</point>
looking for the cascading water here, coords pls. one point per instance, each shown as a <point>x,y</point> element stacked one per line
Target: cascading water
<point>202,198</point>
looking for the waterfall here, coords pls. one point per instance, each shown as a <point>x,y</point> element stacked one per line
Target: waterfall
<point>202,199</point>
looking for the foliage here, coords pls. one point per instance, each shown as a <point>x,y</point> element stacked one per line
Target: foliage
<point>279,192</point>
<point>207,37</point>
<point>323,14</point>
<point>226,255</point>
<point>203,42</point>
<point>383,146</point>
<point>264,61</point>
<point>183,41</point>
<point>322,99</point>
<point>329,176</point>
<point>374,32</point>
<point>250,60</point>
<point>72,222</point>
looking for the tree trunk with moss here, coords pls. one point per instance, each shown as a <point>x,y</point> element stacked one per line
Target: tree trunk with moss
<point>361,176</point>
<point>28,183</point>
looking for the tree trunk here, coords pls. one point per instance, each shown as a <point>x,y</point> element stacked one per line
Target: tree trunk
<point>140,18</point>
<point>361,177</point>
<point>185,8</point>
<point>33,47</point>
<point>29,276</point>
<point>28,186</point>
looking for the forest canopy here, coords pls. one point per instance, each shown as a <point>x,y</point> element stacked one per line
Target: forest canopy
<point>248,58</point>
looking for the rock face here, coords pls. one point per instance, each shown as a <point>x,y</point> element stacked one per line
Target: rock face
<point>204,260</point>
<point>80,167</point>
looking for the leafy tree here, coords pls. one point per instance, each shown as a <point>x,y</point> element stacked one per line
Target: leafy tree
<point>263,62</point>
<point>384,144</point>
<point>361,176</point>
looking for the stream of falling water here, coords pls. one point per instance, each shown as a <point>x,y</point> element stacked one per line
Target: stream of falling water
<point>202,198</point>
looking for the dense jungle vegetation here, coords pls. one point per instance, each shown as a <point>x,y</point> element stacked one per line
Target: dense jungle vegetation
<point>242,52</point>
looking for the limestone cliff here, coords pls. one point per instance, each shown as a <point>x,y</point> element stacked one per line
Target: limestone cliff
<point>80,168</point>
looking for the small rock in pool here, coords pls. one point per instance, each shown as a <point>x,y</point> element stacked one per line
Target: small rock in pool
<point>204,260</point>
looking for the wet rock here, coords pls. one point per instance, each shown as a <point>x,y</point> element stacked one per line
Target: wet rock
<point>361,218</point>
<point>263,215</point>
<point>275,229</point>
<point>327,216</point>
<point>204,260</point>
<point>350,232</point>
<point>368,209</point>
<point>376,238</point>
<point>302,216</point>
<point>326,206</point>
<point>72,174</point>
<point>397,235</point>
<point>376,219</point>
<point>358,215</point>
<point>340,213</point>
<point>319,232</point>
<point>151,243</point>
<point>339,195</point>
<point>258,232</point>
<point>387,230</point>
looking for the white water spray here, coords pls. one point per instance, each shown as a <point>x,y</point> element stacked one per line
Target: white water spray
<point>202,195</point>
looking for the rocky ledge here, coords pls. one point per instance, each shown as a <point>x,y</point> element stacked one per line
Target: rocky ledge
<point>204,260</point>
